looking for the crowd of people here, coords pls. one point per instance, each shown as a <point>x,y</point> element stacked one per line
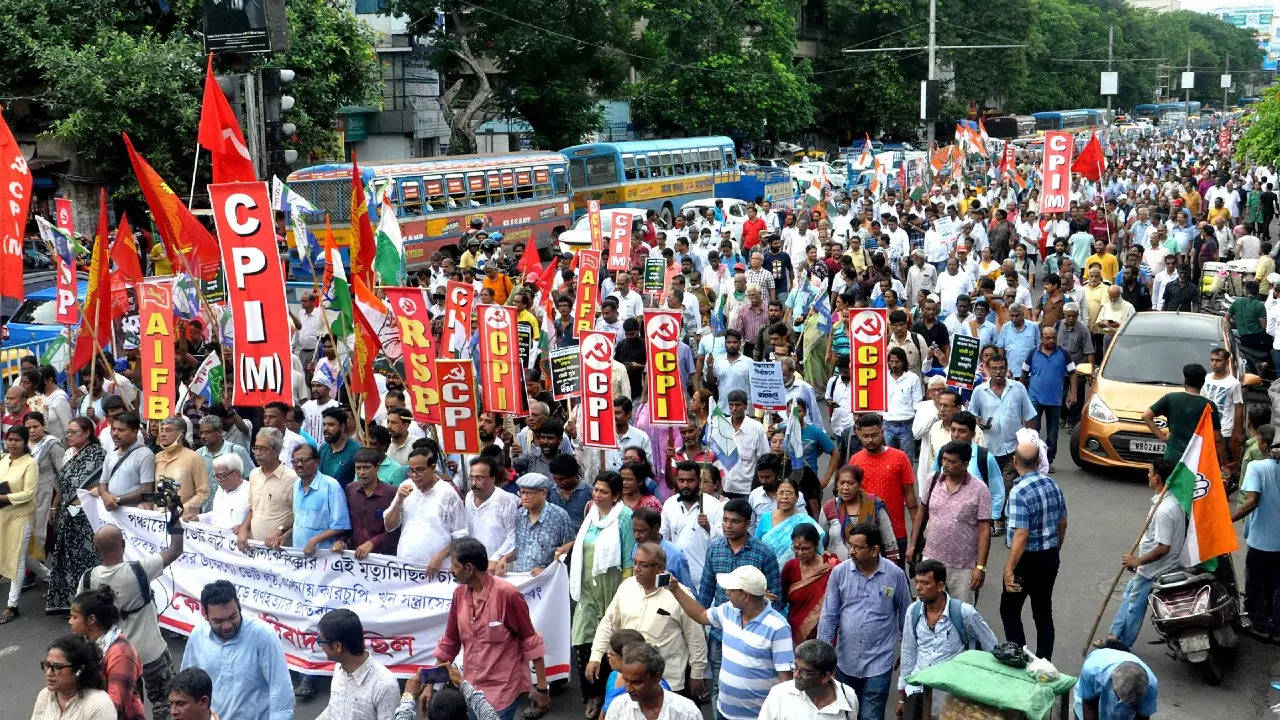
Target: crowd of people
<point>836,547</point>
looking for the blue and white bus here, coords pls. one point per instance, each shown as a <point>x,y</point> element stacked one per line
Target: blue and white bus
<point>1062,119</point>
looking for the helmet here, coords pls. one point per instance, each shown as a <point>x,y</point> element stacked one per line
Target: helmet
<point>489,244</point>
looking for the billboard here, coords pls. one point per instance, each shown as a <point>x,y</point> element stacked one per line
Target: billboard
<point>236,26</point>
<point>1262,20</point>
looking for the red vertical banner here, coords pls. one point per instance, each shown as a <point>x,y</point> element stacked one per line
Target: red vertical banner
<point>155,346</point>
<point>666,392</point>
<point>409,305</point>
<point>459,301</point>
<point>1055,171</point>
<point>587,303</point>
<point>461,423</point>
<point>500,369</point>
<point>593,222</point>
<point>15,184</point>
<point>68,310</point>
<point>255,291</point>
<point>598,430</point>
<point>869,357</point>
<point>620,243</point>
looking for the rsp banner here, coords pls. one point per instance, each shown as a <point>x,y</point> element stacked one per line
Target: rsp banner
<point>68,310</point>
<point>255,291</point>
<point>587,302</point>
<point>409,305</point>
<point>868,333</point>
<point>500,360</point>
<point>460,431</point>
<point>620,243</point>
<point>598,430</point>
<point>665,391</point>
<point>1055,172</point>
<point>403,607</point>
<point>156,337</point>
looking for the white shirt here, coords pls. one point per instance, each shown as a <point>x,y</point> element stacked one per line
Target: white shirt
<point>674,707</point>
<point>1225,393</point>
<point>430,521</point>
<point>293,440</point>
<point>752,443</point>
<point>839,396</point>
<point>630,305</point>
<point>680,528</point>
<point>313,417</point>
<point>229,507</point>
<point>904,393</point>
<point>785,702</point>
<point>633,437</point>
<point>369,693</point>
<point>950,286</point>
<point>312,328</point>
<point>1162,278</point>
<point>493,522</point>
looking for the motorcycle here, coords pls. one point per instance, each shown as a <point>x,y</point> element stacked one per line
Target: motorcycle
<point>1196,616</point>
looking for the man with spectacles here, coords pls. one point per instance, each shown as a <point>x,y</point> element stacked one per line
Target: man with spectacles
<point>231,502</point>
<point>813,692</point>
<point>270,516</point>
<point>215,445</point>
<point>427,512</point>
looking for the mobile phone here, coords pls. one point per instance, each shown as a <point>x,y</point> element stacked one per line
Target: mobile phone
<point>433,675</point>
<point>664,579</point>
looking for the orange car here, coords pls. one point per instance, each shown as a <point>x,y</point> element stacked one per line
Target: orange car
<point>1143,363</point>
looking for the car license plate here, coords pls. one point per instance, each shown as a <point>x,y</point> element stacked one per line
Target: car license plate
<point>1155,447</point>
<point>1193,643</point>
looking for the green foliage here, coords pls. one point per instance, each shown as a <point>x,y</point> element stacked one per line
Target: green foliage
<point>1261,141</point>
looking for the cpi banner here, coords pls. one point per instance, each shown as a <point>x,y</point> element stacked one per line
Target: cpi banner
<point>68,310</point>
<point>598,430</point>
<point>593,222</point>
<point>587,303</point>
<point>666,392</point>
<point>869,357</point>
<point>620,243</point>
<point>1055,172</point>
<point>500,360</point>
<point>155,315</point>
<point>255,291</point>
<point>404,608</point>
<point>409,305</point>
<point>461,424</point>
<point>459,299</point>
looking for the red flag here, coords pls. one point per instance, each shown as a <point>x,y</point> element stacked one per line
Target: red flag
<point>529,260</point>
<point>367,346</point>
<point>15,178</point>
<point>1090,162</point>
<point>363,246</point>
<point>97,305</point>
<point>188,243</point>
<point>220,134</point>
<point>124,253</point>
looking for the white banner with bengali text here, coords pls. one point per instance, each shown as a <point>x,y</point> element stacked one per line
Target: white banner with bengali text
<point>402,607</point>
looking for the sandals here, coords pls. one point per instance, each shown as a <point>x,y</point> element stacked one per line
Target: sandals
<point>9,615</point>
<point>533,713</point>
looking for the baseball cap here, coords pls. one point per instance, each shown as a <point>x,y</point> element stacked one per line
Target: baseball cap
<point>747,578</point>
<point>739,266</point>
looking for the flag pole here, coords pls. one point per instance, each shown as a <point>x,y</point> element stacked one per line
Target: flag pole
<point>1107,597</point>
<point>195,164</point>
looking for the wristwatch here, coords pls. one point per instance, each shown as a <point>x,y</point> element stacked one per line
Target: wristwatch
<point>546,689</point>
<point>983,568</point>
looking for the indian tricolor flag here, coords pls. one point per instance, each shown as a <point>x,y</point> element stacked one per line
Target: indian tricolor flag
<point>1197,484</point>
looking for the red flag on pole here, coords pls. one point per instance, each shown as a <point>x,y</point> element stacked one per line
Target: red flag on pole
<point>1090,162</point>
<point>529,261</point>
<point>188,243</point>
<point>124,253</point>
<point>96,320</point>
<point>363,246</point>
<point>220,134</point>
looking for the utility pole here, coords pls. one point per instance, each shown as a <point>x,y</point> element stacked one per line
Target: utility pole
<point>1111,33</point>
<point>930,127</point>
<point>1186,92</point>
<point>1227,89</point>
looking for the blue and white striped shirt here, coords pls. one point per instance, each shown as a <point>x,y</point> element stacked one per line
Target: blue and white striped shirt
<point>752,658</point>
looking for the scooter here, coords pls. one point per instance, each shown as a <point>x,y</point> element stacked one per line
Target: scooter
<point>1196,616</point>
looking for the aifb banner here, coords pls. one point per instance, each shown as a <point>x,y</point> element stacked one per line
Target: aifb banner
<point>460,432</point>
<point>587,301</point>
<point>1055,171</point>
<point>598,429</point>
<point>68,310</point>
<point>156,337</point>
<point>869,359</point>
<point>500,360</point>
<point>620,243</point>
<point>255,291</point>
<point>409,305</point>
<point>459,299</point>
<point>403,607</point>
<point>665,391</point>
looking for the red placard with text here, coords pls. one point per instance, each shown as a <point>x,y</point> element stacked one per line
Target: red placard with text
<point>593,222</point>
<point>461,424</point>
<point>255,291</point>
<point>620,243</point>
<point>869,359</point>
<point>155,346</point>
<point>409,305</point>
<point>500,368</point>
<point>598,430</point>
<point>459,299</point>
<point>1055,171</point>
<point>666,392</point>
<point>68,309</point>
<point>587,303</point>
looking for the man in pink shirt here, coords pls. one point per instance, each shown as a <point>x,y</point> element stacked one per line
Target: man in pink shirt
<point>490,619</point>
<point>957,531</point>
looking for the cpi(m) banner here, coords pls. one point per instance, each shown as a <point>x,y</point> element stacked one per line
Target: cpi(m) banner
<point>409,305</point>
<point>620,243</point>
<point>403,608</point>
<point>665,391</point>
<point>1055,172</point>
<point>459,299</point>
<point>255,291</point>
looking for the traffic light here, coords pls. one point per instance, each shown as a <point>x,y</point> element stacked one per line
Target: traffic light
<point>279,133</point>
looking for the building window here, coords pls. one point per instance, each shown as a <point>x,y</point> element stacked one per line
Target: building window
<point>394,95</point>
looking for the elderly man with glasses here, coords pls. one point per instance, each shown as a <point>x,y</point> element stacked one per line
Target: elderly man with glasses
<point>270,516</point>
<point>231,503</point>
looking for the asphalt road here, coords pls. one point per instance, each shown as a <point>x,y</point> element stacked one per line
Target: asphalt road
<point>1106,513</point>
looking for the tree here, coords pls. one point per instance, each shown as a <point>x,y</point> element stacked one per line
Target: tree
<point>1260,143</point>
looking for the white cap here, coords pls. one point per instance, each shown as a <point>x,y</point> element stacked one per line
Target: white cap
<point>747,578</point>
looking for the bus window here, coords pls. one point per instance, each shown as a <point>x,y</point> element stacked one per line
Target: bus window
<point>577,173</point>
<point>668,169</point>
<point>706,160</point>
<point>434,188</point>
<point>602,170</point>
<point>728,159</point>
<point>693,161</point>
<point>677,163</point>
<point>410,197</point>
<point>629,167</point>
<point>495,187</point>
<point>642,167</point>
<point>524,185</point>
<point>457,192</point>
<point>557,178</point>
<point>508,186</point>
<point>476,189</point>
<point>542,182</point>
<point>655,165</point>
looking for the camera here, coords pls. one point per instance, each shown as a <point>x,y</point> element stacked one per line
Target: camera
<point>166,496</point>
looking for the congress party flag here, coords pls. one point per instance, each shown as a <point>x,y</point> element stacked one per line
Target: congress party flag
<point>1197,484</point>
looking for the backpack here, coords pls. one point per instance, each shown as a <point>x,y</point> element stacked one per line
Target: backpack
<point>954,614</point>
<point>144,587</point>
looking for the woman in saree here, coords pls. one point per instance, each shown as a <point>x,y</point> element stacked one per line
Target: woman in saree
<point>774,528</point>
<point>47,451</point>
<point>73,551</point>
<point>850,506</point>
<point>804,581</point>
<point>19,480</point>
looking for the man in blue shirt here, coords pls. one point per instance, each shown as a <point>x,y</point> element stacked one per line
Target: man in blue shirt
<point>1261,488</point>
<point>1115,685</point>
<point>243,658</point>
<point>1037,515</point>
<point>1002,407</point>
<point>1018,337</point>
<point>1045,373</point>
<point>862,616</point>
<point>319,505</point>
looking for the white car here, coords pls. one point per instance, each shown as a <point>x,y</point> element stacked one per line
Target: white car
<point>805,172</point>
<point>579,236</point>
<point>735,213</point>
